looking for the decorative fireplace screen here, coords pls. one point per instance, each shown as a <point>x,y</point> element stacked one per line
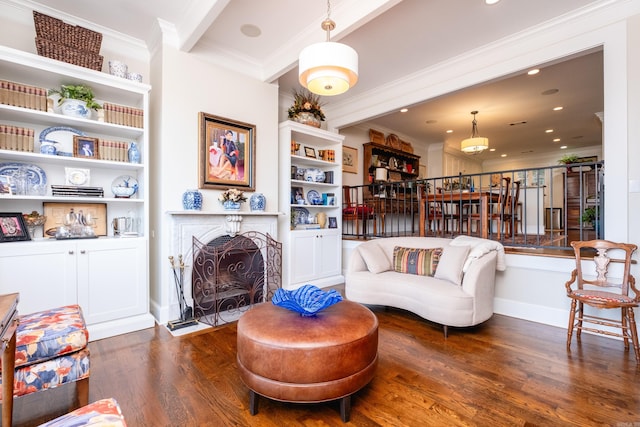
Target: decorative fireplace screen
<point>230,273</point>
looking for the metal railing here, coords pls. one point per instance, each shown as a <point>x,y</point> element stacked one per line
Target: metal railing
<point>537,207</point>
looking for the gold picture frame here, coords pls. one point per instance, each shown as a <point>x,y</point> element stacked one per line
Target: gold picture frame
<point>86,147</point>
<point>226,156</point>
<point>349,159</point>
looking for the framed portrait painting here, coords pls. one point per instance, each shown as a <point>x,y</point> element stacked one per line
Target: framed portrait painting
<point>226,156</point>
<point>86,147</point>
<point>13,227</point>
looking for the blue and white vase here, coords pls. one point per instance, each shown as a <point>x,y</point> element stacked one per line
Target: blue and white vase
<point>134,153</point>
<point>257,202</point>
<point>230,205</point>
<point>192,200</point>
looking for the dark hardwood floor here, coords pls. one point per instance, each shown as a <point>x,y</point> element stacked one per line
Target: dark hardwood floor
<point>506,372</point>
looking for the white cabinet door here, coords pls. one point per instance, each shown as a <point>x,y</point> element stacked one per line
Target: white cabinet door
<point>112,279</point>
<point>329,253</point>
<point>316,256</point>
<point>304,259</point>
<point>44,273</point>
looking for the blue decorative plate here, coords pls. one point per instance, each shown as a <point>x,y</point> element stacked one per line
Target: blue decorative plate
<point>36,174</point>
<point>300,215</point>
<point>314,198</point>
<point>307,300</point>
<point>61,137</point>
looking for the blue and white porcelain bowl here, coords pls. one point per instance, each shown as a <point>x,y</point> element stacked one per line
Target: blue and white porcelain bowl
<point>75,108</point>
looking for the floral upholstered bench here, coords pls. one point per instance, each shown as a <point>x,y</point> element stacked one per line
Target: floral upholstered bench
<point>105,412</point>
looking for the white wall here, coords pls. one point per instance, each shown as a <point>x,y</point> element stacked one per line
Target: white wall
<point>189,85</point>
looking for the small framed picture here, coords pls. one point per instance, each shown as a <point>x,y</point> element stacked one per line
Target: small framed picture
<point>310,152</point>
<point>12,227</point>
<point>6,182</point>
<point>84,146</point>
<point>297,196</point>
<point>333,222</point>
<point>349,159</point>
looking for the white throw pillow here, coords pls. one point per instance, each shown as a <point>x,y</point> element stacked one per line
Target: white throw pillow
<point>374,256</point>
<point>451,263</point>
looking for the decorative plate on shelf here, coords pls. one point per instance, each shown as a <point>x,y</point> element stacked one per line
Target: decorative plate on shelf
<point>314,198</point>
<point>77,176</point>
<point>35,174</point>
<point>314,175</point>
<point>300,215</point>
<point>61,137</point>
<point>124,186</point>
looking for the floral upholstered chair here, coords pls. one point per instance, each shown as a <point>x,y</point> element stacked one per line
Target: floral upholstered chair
<point>51,350</point>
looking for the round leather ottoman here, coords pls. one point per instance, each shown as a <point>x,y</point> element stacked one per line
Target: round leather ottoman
<point>291,358</point>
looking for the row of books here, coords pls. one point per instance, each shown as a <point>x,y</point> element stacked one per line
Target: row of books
<point>21,95</point>
<point>116,151</point>
<point>16,138</point>
<point>123,115</point>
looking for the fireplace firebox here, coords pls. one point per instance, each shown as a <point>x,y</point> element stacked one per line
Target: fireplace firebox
<point>230,273</point>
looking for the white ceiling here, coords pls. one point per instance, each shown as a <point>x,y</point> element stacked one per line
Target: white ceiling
<point>393,38</point>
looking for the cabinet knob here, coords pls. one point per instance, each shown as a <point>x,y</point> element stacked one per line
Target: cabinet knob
<point>83,252</point>
<point>70,252</point>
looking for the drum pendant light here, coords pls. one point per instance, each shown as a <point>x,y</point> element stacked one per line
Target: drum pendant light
<point>328,68</point>
<point>475,144</point>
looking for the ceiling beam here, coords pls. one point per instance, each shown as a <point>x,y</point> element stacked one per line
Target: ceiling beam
<point>197,20</point>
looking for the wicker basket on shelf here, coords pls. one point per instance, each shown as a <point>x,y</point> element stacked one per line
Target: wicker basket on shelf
<point>68,43</point>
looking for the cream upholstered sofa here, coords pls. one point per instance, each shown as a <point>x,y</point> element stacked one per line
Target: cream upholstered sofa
<point>459,292</point>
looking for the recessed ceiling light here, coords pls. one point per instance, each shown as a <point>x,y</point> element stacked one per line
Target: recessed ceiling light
<point>250,30</point>
<point>533,72</point>
<point>490,2</point>
<point>563,147</point>
<point>549,131</point>
<point>404,110</point>
<point>449,130</point>
<point>492,149</point>
<point>556,140</point>
<point>503,155</point>
<point>557,108</point>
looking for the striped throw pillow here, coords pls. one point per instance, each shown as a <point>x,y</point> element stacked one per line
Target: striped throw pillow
<point>423,262</point>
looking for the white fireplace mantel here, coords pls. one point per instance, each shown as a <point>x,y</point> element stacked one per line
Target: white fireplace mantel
<point>225,213</point>
<point>233,219</point>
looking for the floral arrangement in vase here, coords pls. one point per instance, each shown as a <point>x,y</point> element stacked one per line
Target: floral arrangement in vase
<point>232,198</point>
<point>306,108</point>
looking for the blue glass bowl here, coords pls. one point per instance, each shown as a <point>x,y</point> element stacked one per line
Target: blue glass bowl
<point>307,300</point>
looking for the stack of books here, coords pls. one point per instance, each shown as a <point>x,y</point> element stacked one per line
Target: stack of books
<point>77,191</point>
